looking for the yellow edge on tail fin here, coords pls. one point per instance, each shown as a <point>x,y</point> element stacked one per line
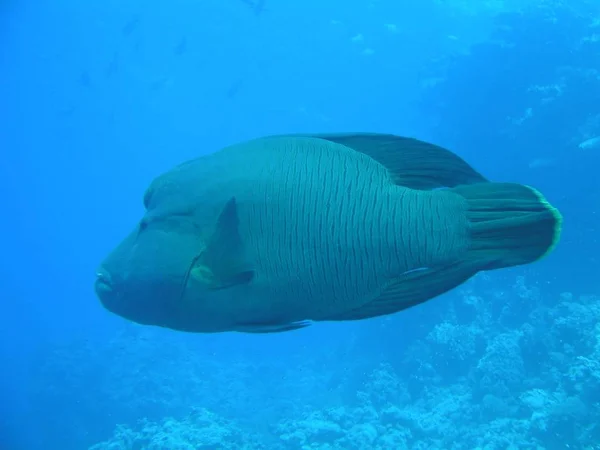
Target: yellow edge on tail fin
<point>557,215</point>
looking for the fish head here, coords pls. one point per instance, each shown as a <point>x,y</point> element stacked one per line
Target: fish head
<point>151,276</point>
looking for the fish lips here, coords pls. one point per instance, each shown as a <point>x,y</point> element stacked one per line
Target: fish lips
<point>142,279</point>
<point>148,305</point>
<point>104,288</point>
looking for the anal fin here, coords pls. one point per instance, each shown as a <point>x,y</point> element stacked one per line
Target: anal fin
<point>412,288</point>
<point>272,328</point>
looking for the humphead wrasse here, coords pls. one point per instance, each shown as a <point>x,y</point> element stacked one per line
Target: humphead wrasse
<point>278,232</point>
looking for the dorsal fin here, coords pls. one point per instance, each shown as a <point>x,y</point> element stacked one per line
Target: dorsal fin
<point>223,263</point>
<point>412,163</point>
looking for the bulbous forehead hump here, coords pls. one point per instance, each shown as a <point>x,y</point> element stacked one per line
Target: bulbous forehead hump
<point>181,184</point>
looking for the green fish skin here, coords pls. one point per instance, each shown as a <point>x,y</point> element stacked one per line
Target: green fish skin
<point>273,234</point>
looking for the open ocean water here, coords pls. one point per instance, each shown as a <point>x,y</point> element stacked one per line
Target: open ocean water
<point>97,98</point>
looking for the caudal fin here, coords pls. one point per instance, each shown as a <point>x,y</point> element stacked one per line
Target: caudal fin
<point>511,224</point>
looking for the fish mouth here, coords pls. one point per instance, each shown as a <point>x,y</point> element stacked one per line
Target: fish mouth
<point>110,296</point>
<point>103,284</point>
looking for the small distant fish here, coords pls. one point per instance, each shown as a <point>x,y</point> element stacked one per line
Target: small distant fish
<point>85,80</point>
<point>159,84</point>
<point>113,66</point>
<point>590,144</point>
<point>257,6</point>
<point>131,25</point>
<point>235,88</point>
<point>66,111</point>
<point>181,48</point>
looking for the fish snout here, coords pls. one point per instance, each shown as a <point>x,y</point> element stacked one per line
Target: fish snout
<point>103,280</point>
<point>104,287</point>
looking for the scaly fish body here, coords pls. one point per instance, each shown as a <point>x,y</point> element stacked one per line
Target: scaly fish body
<point>266,235</point>
<point>325,233</point>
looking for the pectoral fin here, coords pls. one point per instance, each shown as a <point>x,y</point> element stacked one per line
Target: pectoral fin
<point>223,262</point>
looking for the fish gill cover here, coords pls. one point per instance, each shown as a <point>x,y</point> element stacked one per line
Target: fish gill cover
<point>98,98</point>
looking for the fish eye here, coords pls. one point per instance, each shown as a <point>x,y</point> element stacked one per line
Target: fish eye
<point>143,224</point>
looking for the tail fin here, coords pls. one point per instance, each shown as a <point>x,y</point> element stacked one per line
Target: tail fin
<point>511,224</point>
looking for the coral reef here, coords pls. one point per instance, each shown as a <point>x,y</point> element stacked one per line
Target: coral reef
<point>481,384</point>
<point>504,362</point>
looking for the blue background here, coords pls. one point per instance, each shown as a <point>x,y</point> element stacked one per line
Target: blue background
<point>98,98</point>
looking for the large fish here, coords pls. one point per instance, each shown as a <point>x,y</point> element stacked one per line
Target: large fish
<point>275,233</point>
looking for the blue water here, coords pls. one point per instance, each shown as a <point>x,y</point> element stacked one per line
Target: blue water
<point>99,97</point>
